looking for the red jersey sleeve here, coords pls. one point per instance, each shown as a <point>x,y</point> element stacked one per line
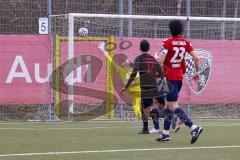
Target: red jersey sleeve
<point>189,47</point>
<point>165,47</point>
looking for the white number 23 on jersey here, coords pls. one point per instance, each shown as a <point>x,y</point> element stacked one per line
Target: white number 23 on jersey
<point>178,55</point>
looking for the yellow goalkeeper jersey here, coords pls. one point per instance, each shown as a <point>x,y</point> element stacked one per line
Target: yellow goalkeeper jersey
<point>133,90</point>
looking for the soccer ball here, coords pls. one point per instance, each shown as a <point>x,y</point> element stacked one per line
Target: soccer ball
<point>83,32</point>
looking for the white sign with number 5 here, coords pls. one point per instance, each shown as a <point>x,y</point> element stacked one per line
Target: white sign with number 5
<point>43,26</point>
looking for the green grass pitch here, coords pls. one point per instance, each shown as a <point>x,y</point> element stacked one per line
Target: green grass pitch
<point>111,140</point>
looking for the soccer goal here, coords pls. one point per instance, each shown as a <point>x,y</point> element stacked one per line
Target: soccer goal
<point>87,79</point>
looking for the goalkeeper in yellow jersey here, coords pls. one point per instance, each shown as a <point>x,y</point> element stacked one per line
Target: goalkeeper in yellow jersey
<point>124,71</point>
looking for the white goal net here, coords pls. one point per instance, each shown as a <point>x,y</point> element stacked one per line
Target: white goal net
<point>87,82</point>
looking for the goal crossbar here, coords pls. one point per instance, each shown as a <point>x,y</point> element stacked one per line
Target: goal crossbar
<point>149,17</point>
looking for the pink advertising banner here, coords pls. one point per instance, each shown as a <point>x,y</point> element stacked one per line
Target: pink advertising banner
<point>24,66</point>
<point>223,85</point>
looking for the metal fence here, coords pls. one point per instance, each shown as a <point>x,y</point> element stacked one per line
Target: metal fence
<point>21,16</point>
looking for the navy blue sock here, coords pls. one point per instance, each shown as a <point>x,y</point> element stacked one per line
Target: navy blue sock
<point>145,122</point>
<point>155,115</point>
<point>168,115</point>
<point>174,121</point>
<point>183,117</point>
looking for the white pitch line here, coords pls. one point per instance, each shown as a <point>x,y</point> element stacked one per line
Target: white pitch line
<point>113,151</point>
<point>66,122</point>
<point>107,127</point>
<point>46,129</point>
<point>220,125</point>
<point>13,123</point>
<point>43,129</point>
<point>107,121</point>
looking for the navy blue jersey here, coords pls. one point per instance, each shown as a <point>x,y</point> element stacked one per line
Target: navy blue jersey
<point>149,69</point>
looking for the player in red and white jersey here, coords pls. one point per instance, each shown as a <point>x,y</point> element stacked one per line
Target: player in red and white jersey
<point>174,49</point>
<point>172,55</point>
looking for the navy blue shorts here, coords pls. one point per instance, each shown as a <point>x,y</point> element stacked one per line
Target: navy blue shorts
<point>173,96</point>
<point>161,100</point>
<point>147,94</point>
<point>147,102</point>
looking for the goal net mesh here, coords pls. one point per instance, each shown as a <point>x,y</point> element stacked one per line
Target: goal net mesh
<point>97,81</point>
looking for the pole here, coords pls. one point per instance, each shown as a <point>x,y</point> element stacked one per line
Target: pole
<point>130,12</point>
<point>179,6</point>
<point>235,24</point>
<point>223,23</point>
<point>188,13</point>
<point>155,29</point>
<point>188,10</point>
<point>70,65</point>
<point>49,13</point>
<point>121,10</point>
